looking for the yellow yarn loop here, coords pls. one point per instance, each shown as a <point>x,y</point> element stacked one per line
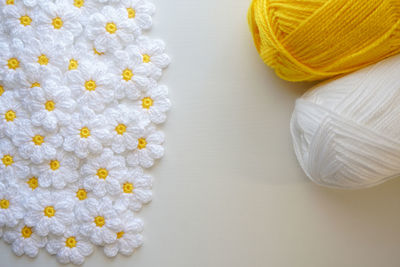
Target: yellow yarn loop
<point>307,40</point>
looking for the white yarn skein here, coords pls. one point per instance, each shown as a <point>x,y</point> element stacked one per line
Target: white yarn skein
<point>346,132</point>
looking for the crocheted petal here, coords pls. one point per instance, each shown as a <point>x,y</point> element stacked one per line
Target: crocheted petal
<point>109,236</point>
<point>76,257</point>
<point>42,227</point>
<point>84,248</point>
<point>31,249</point>
<point>18,248</point>
<point>111,250</point>
<point>96,237</point>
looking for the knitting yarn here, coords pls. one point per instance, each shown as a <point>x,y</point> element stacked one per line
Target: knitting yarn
<point>346,132</point>
<point>306,40</point>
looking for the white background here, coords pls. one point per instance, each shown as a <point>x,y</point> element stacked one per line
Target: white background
<point>229,191</point>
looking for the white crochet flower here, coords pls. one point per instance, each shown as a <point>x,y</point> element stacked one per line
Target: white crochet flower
<point>41,53</point>
<point>34,143</point>
<point>128,236</point>
<point>139,11</point>
<point>109,30</point>
<point>125,129</point>
<point>31,182</point>
<point>31,78</point>
<point>85,133</point>
<point>19,20</point>
<point>152,52</point>
<point>78,192</point>
<point>74,56</point>
<point>70,247</point>
<point>11,209</point>
<point>11,113</point>
<point>51,105</point>
<point>154,104</point>
<point>149,148</point>
<point>101,174</point>
<point>101,57</point>
<point>12,166</point>
<point>10,61</point>
<point>49,212</point>
<point>24,240</point>
<point>59,20</point>
<point>59,171</point>
<point>99,221</point>
<point>91,85</point>
<point>135,190</point>
<point>79,195</point>
<point>132,74</point>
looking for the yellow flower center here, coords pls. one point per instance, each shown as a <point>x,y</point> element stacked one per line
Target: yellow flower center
<point>128,188</point>
<point>57,23</point>
<point>147,102</point>
<point>7,160</point>
<point>4,204</point>
<point>97,52</point>
<point>127,75</point>
<point>120,129</point>
<point>25,20</point>
<point>146,58</point>
<point>131,13</point>
<point>54,165</point>
<point>90,85</point>
<point>79,3</point>
<point>38,140</point>
<point>10,115</point>
<point>70,242</point>
<point>50,105</point>
<point>26,232</point>
<point>49,211</point>
<point>1,90</point>
<point>43,60</point>
<point>73,64</point>
<point>35,84</point>
<point>120,234</point>
<point>99,221</point>
<point>10,2</point>
<point>81,194</point>
<point>111,27</point>
<point>142,143</point>
<point>102,173</point>
<point>13,63</point>
<point>33,183</point>
<point>85,132</point>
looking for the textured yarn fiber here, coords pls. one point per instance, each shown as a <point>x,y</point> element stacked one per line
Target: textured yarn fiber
<point>306,40</point>
<point>346,132</point>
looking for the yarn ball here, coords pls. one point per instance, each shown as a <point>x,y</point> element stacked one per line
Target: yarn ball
<point>307,40</point>
<point>346,132</point>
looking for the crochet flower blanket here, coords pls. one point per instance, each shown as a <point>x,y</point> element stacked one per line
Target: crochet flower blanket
<point>79,108</point>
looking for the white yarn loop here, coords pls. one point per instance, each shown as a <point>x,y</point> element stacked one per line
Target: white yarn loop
<point>346,132</point>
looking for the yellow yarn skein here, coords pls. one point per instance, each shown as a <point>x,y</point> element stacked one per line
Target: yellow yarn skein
<point>307,40</point>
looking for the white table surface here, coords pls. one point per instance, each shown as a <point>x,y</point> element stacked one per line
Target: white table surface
<point>229,191</point>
